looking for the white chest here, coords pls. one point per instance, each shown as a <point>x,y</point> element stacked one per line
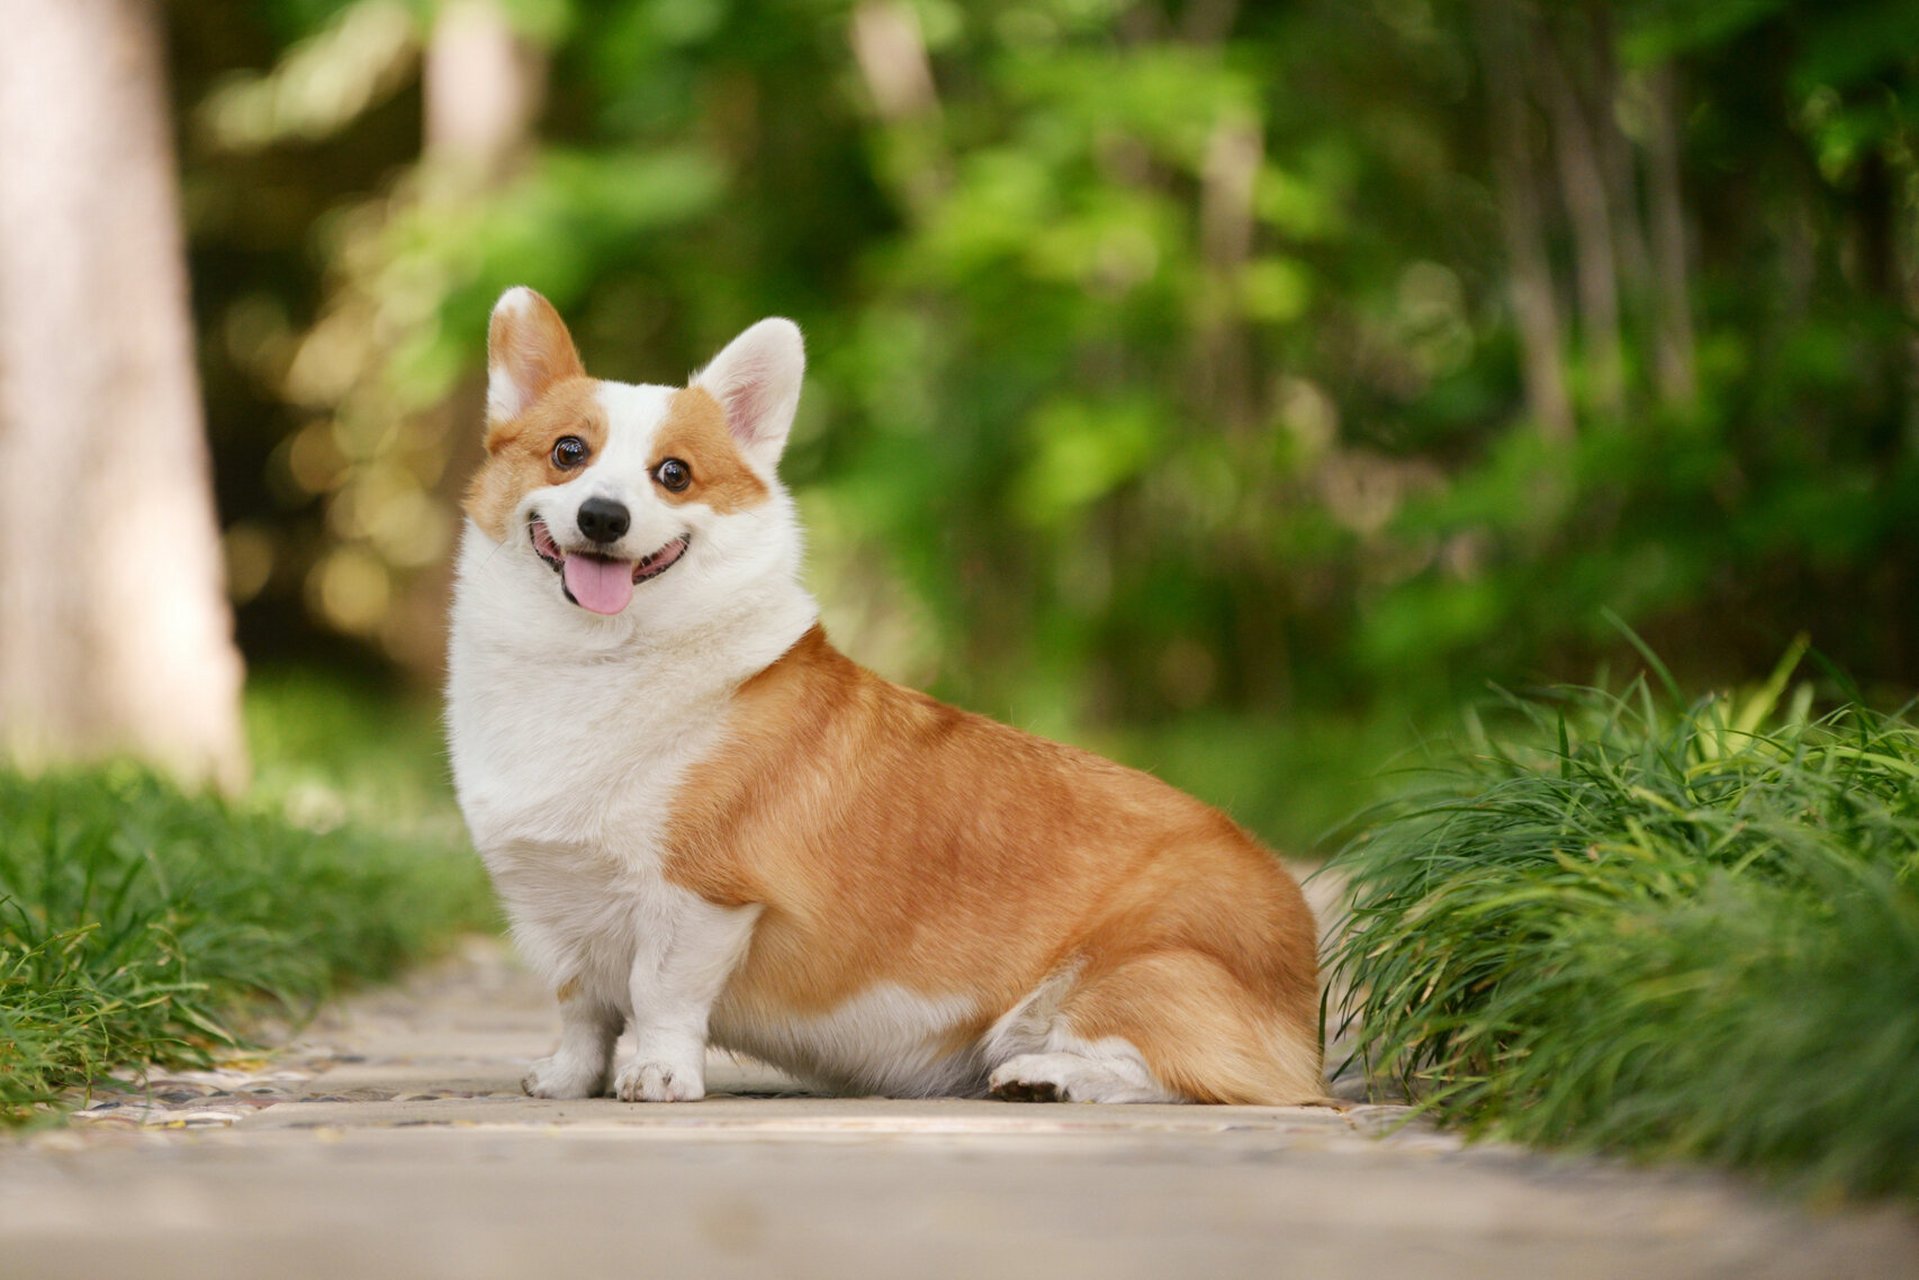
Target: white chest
<point>588,759</point>
<point>567,773</point>
<point>571,737</point>
<point>566,730</point>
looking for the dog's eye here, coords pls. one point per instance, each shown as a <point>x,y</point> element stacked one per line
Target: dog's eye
<point>568,452</point>
<point>674,475</point>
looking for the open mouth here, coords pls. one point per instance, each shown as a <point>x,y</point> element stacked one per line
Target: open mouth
<point>600,583</point>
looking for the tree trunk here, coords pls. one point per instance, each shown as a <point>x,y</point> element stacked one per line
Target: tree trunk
<point>1582,182</point>
<point>482,86</point>
<point>1876,201</point>
<point>1535,307</point>
<point>890,51</point>
<point>1675,338</point>
<point>1223,355</point>
<point>1617,161</point>
<point>115,633</point>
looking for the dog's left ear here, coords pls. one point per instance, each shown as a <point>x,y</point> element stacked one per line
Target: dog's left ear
<point>527,350</point>
<point>757,380</point>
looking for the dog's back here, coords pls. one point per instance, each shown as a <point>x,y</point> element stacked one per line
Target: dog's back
<point>1039,896</point>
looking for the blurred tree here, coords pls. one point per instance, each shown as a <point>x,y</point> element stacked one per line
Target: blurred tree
<point>1186,370</point>
<point>115,635</point>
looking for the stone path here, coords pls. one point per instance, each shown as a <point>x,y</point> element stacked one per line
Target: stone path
<point>391,1140</point>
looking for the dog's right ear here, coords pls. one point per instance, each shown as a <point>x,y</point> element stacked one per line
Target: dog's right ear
<point>756,379</point>
<point>527,350</point>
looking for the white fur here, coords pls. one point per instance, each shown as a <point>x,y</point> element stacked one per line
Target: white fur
<point>682,959</point>
<point>1105,1070</point>
<point>885,1040</point>
<point>578,1067</point>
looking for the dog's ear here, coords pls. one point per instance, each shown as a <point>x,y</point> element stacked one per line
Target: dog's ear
<point>757,380</point>
<point>527,350</point>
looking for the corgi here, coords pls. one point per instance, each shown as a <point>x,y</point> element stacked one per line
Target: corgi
<point>707,823</point>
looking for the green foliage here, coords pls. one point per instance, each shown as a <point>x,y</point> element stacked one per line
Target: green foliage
<point>329,750</point>
<point>1671,931</point>
<point>1165,368</point>
<point>138,924</point>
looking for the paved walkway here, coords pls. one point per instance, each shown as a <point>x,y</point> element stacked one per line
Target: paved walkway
<point>392,1140</point>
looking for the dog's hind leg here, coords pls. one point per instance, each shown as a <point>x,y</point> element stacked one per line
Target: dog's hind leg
<point>1099,1071</point>
<point>1168,1026</point>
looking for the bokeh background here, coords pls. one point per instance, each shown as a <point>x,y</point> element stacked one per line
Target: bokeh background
<point>1234,387</point>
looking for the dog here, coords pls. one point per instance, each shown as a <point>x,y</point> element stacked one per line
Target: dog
<point>706,822</point>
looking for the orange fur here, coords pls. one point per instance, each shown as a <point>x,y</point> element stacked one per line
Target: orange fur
<point>531,345</point>
<point>520,451</point>
<point>695,432</point>
<point>892,838</point>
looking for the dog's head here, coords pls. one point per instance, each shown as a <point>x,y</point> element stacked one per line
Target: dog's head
<point>620,492</point>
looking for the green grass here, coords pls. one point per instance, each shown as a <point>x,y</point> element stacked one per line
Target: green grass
<point>1626,924</point>
<point>140,924</point>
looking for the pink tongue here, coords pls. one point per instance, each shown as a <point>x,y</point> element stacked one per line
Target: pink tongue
<point>604,586</point>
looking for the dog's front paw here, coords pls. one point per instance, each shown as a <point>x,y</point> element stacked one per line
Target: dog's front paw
<point>562,1077</point>
<point>645,1080</point>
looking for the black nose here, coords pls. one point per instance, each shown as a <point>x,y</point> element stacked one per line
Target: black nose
<point>604,520</point>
